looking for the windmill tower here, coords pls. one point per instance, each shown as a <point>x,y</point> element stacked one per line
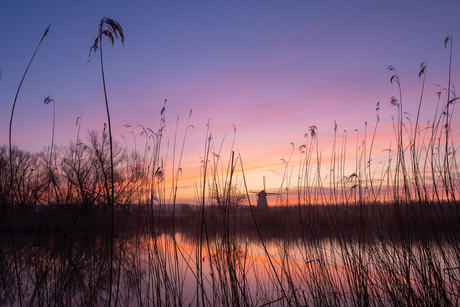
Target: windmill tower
<point>262,204</point>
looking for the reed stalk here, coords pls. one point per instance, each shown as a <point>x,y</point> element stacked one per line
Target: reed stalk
<point>11,168</point>
<point>110,29</point>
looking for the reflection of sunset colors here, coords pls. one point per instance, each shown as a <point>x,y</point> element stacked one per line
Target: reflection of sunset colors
<point>272,70</point>
<point>324,265</point>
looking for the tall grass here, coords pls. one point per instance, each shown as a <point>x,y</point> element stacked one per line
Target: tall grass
<point>360,234</point>
<point>111,29</point>
<point>11,168</point>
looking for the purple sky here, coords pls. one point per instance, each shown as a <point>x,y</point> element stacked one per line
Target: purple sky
<point>271,68</point>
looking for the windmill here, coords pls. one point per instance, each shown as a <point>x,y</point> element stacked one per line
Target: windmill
<point>262,204</point>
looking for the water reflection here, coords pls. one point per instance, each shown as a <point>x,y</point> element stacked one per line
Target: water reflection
<point>224,269</point>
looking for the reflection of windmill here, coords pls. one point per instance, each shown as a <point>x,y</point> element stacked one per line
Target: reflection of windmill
<point>262,204</point>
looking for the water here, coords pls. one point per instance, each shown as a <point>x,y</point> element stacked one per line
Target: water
<point>193,269</point>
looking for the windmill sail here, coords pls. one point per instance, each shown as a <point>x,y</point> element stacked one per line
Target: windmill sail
<point>262,204</point>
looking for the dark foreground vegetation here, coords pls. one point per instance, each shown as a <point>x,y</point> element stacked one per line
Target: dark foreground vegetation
<point>377,255</point>
<point>92,223</point>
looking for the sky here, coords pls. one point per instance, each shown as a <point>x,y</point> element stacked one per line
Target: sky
<point>270,69</point>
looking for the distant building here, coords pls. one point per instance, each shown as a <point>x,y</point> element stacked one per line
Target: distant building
<point>262,204</point>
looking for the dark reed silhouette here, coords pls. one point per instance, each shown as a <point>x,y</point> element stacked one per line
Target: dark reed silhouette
<point>110,29</point>
<point>11,164</point>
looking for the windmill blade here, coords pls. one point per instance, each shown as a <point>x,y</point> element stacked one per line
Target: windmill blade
<point>268,193</point>
<point>272,191</point>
